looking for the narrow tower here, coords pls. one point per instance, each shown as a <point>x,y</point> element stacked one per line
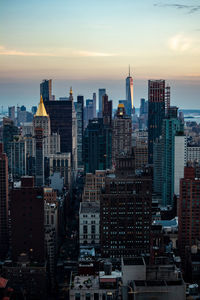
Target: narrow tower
<point>129,94</point>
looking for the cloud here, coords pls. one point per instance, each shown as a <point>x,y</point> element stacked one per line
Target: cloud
<point>58,53</point>
<point>182,43</point>
<point>189,8</point>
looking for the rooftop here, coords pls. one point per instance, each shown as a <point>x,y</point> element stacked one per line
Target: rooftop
<point>89,207</point>
<point>133,261</point>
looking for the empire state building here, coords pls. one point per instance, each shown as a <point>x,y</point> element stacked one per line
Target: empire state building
<point>129,94</point>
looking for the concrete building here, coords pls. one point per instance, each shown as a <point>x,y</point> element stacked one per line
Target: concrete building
<point>89,223</point>
<point>104,286</point>
<point>61,163</point>
<point>189,211</point>
<point>146,282</point>
<point>125,211</point>
<point>93,185</point>
<point>193,153</point>
<point>180,159</point>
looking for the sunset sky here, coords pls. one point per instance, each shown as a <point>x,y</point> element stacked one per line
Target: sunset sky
<point>89,45</point>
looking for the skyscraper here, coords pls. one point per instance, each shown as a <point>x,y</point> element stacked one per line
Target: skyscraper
<point>189,211</point>
<point>125,212</point>
<point>106,110</point>
<point>42,120</point>
<point>101,93</point>
<point>46,89</point>
<point>171,127</point>
<point>94,105</point>
<point>97,146</point>
<point>79,116</point>
<point>4,239</point>
<point>122,130</point>
<point>27,221</point>
<point>129,94</point>
<point>39,156</point>
<point>63,120</point>
<point>156,113</point>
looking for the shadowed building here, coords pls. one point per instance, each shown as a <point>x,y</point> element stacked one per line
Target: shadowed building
<point>3,203</point>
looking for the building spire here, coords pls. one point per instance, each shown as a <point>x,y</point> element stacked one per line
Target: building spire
<point>71,93</point>
<point>129,71</point>
<point>41,111</point>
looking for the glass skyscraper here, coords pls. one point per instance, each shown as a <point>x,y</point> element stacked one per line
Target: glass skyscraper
<point>129,94</point>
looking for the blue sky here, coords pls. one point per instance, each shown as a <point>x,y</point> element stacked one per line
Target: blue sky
<point>89,44</point>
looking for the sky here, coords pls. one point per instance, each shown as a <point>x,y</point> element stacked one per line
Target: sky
<point>90,44</point>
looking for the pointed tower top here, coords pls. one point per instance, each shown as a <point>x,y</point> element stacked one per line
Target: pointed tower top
<point>41,111</point>
<point>71,93</point>
<point>129,71</point>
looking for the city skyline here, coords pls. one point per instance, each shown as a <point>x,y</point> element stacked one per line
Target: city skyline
<point>85,46</point>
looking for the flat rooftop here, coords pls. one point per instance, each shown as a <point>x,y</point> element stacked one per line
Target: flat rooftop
<point>89,207</point>
<point>137,261</point>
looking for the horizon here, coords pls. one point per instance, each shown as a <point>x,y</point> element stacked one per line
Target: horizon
<point>90,46</point>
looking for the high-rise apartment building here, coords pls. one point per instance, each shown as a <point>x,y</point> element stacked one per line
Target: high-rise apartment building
<point>125,212</point>
<point>156,113</point>
<point>27,221</point>
<point>46,89</point>
<point>189,211</point>
<point>4,239</point>
<point>122,133</point>
<point>101,93</point>
<point>129,94</point>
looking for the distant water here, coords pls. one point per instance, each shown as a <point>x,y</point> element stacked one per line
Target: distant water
<point>194,119</point>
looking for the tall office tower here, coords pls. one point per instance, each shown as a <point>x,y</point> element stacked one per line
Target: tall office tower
<point>27,221</point>
<point>129,94</point>
<point>101,93</point>
<point>94,105</point>
<point>189,211</point>
<point>11,113</point>
<point>106,110</point>
<point>125,212</point>
<point>167,98</point>
<point>156,113</point>
<point>79,116</point>
<point>122,133</point>
<point>88,112</point>
<point>97,146</point>
<point>63,120</point>
<point>46,90</point>
<point>42,120</point>
<point>157,167</point>
<point>171,127</point>
<point>39,156</point>
<point>9,131</point>
<point>4,239</point>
